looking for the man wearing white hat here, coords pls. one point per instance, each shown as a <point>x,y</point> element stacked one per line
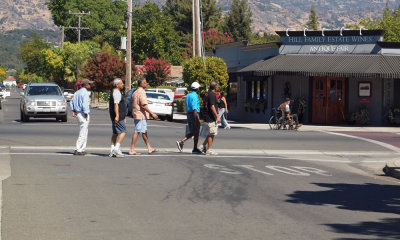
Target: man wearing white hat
<point>193,118</point>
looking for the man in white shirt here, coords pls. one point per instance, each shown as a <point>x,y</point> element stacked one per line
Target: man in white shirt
<point>80,107</point>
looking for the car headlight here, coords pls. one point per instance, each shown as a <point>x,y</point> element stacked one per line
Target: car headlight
<point>30,103</point>
<point>61,102</point>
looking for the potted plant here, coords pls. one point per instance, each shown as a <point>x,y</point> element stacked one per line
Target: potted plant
<point>361,115</point>
<point>259,105</point>
<point>299,107</point>
<point>393,115</point>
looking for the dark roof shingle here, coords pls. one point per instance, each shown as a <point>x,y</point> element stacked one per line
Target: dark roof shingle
<point>339,65</point>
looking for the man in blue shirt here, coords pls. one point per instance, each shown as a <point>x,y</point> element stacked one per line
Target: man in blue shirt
<point>80,107</point>
<point>193,118</point>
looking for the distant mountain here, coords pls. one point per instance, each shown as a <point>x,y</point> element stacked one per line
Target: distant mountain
<point>25,14</point>
<point>268,15</point>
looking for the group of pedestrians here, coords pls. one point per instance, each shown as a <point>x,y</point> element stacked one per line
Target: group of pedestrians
<point>212,118</point>
<point>80,107</point>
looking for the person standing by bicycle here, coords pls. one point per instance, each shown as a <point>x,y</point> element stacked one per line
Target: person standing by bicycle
<point>285,108</point>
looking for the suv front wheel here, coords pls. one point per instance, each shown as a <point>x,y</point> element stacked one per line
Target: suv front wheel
<point>24,118</point>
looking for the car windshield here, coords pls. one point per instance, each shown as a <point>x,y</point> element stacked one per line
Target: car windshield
<point>69,91</point>
<point>157,96</point>
<point>180,90</point>
<point>44,90</point>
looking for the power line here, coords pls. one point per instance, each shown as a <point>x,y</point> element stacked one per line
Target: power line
<point>79,28</point>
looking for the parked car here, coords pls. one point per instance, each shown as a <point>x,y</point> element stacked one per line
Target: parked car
<point>43,100</point>
<point>179,92</point>
<point>169,92</point>
<point>20,85</point>
<point>4,92</point>
<point>161,104</point>
<point>69,94</point>
<point>128,101</point>
<point>23,87</point>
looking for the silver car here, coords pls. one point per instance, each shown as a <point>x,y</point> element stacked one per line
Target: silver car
<point>43,100</point>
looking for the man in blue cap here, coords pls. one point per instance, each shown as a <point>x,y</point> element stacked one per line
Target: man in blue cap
<point>193,118</point>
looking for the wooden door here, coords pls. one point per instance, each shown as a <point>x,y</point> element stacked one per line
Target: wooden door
<point>328,100</point>
<point>335,100</point>
<point>319,100</point>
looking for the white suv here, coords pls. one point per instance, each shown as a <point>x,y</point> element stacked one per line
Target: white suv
<point>43,100</point>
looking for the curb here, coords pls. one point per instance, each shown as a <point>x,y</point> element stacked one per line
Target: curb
<point>392,168</point>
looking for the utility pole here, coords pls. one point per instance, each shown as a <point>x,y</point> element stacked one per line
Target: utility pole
<point>128,63</point>
<point>196,29</point>
<point>62,37</point>
<point>80,14</point>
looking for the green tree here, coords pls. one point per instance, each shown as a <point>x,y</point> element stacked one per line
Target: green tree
<point>106,18</point>
<point>211,14</point>
<point>390,22</point>
<point>238,20</point>
<point>52,65</point>
<point>31,52</point>
<point>313,23</point>
<point>3,72</point>
<point>265,38</point>
<point>180,12</point>
<point>153,35</point>
<point>214,70</point>
<point>75,56</point>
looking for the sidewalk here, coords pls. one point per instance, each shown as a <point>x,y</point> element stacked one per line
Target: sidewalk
<point>181,117</point>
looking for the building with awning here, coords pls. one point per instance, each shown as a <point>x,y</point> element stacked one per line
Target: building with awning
<point>329,73</point>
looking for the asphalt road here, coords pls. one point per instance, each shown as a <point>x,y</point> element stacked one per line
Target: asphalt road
<point>307,185</point>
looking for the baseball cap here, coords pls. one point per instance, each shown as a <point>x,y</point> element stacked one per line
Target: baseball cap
<point>86,81</point>
<point>195,85</point>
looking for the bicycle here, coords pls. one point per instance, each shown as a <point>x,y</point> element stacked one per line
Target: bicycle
<point>277,121</point>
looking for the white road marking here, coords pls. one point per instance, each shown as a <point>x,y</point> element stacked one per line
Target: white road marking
<point>245,157</point>
<point>382,144</point>
<point>233,152</point>
<point>222,169</point>
<point>373,161</point>
<point>91,124</point>
<point>313,170</point>
<point>287,170</point>
<point>293,170</point>
<point>251,167</point>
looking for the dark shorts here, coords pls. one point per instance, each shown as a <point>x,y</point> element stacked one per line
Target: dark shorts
<point>191,120</point>
<point>119,127</point>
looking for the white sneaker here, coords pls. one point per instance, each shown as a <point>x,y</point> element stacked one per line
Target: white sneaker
<point>118,154</point>
<point>203,148</point>
<point>211,153</point>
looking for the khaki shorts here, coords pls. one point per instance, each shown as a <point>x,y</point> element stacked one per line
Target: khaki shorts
<point>212,128</point>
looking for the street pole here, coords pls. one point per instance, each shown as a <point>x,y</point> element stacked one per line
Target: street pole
<point>80,14</point>
<point>129,49</point>
<point>62,37</point>
<point>196,29</point>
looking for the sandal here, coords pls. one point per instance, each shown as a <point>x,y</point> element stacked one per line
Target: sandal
<point>153,151</point>
<point>134,153</point>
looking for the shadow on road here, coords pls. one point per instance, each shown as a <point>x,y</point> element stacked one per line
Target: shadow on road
<point>358,197</point>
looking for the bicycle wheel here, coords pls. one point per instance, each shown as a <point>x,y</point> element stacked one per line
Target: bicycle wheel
<point>272,123</point>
